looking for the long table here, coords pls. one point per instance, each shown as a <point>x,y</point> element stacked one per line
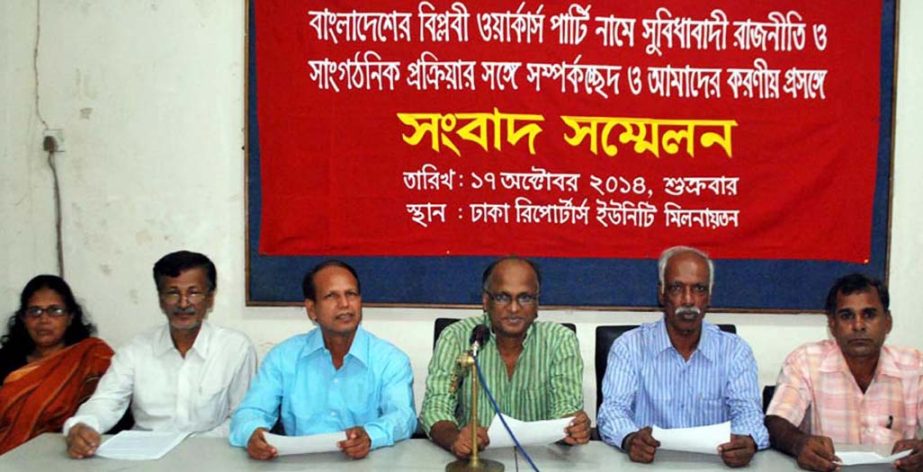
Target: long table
<point>47,453</point>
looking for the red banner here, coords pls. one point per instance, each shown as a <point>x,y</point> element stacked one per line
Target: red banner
<point>568,129</point>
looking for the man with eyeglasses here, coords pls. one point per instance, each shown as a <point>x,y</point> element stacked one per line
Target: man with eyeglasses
<point>681,371</point>
<point>188,375</point>
<point>533,368</point>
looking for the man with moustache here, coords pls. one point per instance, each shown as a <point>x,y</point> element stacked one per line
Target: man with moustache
<point>337,377</point>
<point>188,375</point>
<point>534,369</point>
<point>681,371</point>
<point>852,389</point>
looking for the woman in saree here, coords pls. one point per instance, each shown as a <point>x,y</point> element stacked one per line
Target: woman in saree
<point>49,363</point>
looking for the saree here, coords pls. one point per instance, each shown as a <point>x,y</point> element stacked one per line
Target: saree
<point>40,396</point>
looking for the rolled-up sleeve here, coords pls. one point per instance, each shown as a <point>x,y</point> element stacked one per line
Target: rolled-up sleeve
<point>566,376</point>
<point>792,397</point>
<point>440,400</point>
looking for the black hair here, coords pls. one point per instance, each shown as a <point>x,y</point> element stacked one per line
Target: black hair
<point>493,265</point>
<point>177,262</point>
<point>17,341</point>
<point>853,283</point>
<point>307,283</point>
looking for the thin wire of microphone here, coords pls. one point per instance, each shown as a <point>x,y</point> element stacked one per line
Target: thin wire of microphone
<point>493,402</point>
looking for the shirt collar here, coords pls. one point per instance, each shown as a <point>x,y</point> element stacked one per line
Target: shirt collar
<point>887,364</point>
<point>164,343</point>
<point>834,361</point>
<point>708,341</point>
<point>359,349</point>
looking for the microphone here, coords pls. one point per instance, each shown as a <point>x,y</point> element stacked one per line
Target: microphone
<point>479,337</point>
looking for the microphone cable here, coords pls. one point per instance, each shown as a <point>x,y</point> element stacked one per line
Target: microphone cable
<point>496,407</point>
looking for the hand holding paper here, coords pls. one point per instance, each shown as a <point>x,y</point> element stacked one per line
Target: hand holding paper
<point>286,445</point>
<point>140,445</point>
<point>701,439</point>
<point>858,455</point>
<point>531,433</point>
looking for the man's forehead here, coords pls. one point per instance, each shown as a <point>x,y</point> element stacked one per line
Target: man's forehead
<point>329,276</point>
<point>513,271</point>
<point>867,297</point>
<point>685,259</point>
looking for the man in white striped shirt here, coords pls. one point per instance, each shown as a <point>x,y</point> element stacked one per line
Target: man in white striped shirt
<point>681,371</point>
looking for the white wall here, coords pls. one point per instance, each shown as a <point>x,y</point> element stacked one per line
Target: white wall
<point>150,98</point>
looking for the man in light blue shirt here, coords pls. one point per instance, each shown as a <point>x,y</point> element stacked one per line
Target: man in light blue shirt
<point>682,372</point>
<point>337,377</point>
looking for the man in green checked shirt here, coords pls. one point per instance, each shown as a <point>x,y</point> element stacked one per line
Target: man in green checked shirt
<point>534,369</point>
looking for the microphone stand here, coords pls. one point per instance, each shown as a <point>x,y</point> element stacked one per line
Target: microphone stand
<point>466,360</point>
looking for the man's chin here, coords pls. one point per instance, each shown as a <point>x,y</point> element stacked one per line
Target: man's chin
<point>185,325</point>
<point>687,326</point>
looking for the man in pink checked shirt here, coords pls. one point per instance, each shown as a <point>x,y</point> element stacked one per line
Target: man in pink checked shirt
<point>850,390</point>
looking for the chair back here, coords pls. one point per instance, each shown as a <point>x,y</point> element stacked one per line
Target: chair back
<point>768,392</point>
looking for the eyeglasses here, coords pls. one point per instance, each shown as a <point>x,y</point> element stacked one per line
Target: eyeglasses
<point>523,299</point>
<point>174,296</point>
<point>36,312</point>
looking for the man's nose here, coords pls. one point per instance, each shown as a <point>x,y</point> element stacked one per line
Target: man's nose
<point>858,323</point>
<point>514,305</point>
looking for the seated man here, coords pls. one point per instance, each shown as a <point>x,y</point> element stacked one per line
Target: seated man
<point>534,369</point>
<point>854,390</point>
<point>681,371</point>
<point>337,377</point>
<point>188,375</point>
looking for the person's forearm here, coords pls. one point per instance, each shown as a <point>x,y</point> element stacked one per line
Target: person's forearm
<point>444,433</point>
<point>784,436</point>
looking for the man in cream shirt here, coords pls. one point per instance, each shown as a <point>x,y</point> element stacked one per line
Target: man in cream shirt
<point>186,376</point>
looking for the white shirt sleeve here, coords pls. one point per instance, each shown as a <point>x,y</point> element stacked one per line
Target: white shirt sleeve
<point>112,396</point>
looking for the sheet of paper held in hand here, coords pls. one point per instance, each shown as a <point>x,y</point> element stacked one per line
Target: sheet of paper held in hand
<point>325,442</point>
<point>701,439</point>
<point>855,454</point>
<point>140,445</point>
<point>529,433</point>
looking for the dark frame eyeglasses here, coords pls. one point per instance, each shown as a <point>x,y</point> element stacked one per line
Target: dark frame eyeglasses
<point>54,311</point>
<point>503,298</point>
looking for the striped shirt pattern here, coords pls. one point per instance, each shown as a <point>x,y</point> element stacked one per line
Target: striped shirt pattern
<point>546,384</point>
<point>817,390</point>
<point>648,383</point>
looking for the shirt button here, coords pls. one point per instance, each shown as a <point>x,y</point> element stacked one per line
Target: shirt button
<point>333,413</point>
<point>336,381</point>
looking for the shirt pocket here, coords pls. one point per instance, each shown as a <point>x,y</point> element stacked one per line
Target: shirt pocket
<point>880,434</point>
<point>361,397</point>
<point>532,402</point>
<point>211,407</point>
<point>710,407</point>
